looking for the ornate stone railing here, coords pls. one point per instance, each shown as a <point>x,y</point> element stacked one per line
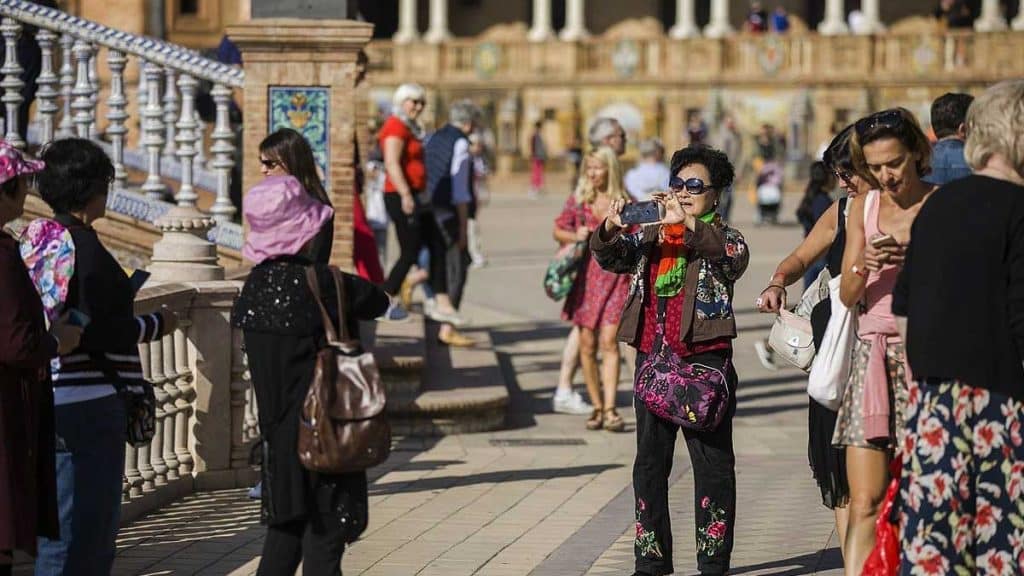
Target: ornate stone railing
<point>171,138</point>
<point>206,412</point>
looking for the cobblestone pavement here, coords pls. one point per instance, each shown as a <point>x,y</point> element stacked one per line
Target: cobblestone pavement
<point>544,497</point>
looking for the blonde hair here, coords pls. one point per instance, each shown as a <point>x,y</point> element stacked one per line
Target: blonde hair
<point>908,132</point>
<point>995,123</point>
<point>586,193</point>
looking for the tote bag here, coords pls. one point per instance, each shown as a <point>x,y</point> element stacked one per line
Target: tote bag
<point>831,367</point>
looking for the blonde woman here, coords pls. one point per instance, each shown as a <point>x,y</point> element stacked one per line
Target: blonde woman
<point>596,300</point>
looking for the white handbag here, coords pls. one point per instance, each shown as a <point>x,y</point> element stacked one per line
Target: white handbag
<point>831,367</point>
<point>791,336</point>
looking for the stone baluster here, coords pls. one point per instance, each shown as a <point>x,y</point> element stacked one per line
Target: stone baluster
<point>835,19</point>
<point>438,31</point>
<point>991,18</point>
<point>81,101</point>
<point>239,387</point>
<point>223,150</point>
<point>186,151</point>
<point>252,422</point>
<point>170,408</point>
<point>132,474</point>
<point>67,82</point>
<point>184,400</point>
<point>94,90</point>
<point>719,25</point>
<point>156,457</point>
<point>46,95</point>
<point>170,112</point>
<point>872,23</point>
<point>200,143</point>
<point>153,132</point>
<point>686,20</point>
<point>407,31</point>
<point>575,21</point>
<point>117,113</point>
<point>541,30</point>
<point>12,82</point>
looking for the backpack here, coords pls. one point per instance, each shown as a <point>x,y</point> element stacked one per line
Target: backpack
<point>342,426</point>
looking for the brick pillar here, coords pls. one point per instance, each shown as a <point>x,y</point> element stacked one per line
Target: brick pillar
<point>300,74</point>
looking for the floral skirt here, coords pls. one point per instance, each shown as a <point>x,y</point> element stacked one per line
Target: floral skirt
<point>962,486</point>
<point>850,421</point>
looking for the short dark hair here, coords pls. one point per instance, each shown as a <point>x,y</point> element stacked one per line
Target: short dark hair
<point>837,155</point>
<point>717,163</point>
<point>77,170</point>
<point>949,111</point>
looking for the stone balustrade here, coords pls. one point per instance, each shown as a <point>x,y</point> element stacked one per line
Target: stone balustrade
<point>170,142</point>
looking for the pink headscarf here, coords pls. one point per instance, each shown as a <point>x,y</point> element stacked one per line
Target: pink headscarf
<point>282,218</point>
<point>14,163</point>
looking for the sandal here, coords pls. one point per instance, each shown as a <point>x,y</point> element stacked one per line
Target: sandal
<point>613,422</point>
<point>596,420</point>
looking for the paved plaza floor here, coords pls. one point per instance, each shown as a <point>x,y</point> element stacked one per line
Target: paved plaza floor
<point>543,497</point>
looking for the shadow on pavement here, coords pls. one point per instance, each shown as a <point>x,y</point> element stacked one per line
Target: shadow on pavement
<point>829,559</point>
<point>446,482</point>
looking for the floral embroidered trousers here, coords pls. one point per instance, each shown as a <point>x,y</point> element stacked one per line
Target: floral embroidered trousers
<point>714,473</point>
<point>962,485</point>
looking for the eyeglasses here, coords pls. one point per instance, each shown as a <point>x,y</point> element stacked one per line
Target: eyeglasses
<point>694,186</point>
<point>886,119</point>
<point>419,102</point>
<point>269,164</point>
<point>843,175</point>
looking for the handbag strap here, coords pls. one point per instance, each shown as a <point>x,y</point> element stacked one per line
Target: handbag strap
<point>339,289</point>
<point>659,327</point>
<point>314,287</point>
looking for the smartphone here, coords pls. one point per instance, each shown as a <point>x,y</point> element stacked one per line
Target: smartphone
<point>78,318</point>
<point>138,279</point>
<point>641,213</point>
<point>883,240</point>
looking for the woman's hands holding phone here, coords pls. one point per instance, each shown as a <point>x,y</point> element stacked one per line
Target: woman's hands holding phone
<point>882,251</point>
<point>613,223</point>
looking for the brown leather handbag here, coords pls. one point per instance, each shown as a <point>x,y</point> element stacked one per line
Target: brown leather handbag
<point>343,427</point>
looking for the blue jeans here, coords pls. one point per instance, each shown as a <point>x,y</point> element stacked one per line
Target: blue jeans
<point>90,466</point>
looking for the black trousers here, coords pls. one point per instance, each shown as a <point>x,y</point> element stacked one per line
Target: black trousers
<point>409,230</point>
<point>318,542</point>
<point>714,477</point>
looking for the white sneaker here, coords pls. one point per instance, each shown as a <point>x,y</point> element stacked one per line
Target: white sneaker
<point>570,403</point>
<point>765,355</point>
<point>446,318</point>
<point>428,307</point>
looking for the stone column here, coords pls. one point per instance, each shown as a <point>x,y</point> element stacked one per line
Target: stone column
<point>541,29</point>
<point>407,31</point>
<point>184,254</point>
<point>991,19</point>
<point>872,21</point>
<point>575,22</point>
<point>719,25</point>
<point>300,74</point>
<point>686,20</point>
<point>438,31</point>
<point>835,19</point>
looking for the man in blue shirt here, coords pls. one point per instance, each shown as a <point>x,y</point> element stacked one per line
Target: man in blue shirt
<point>949,112</point>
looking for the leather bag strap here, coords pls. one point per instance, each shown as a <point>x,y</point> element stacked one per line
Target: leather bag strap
<point>339,289</point>
<point>314,287</point>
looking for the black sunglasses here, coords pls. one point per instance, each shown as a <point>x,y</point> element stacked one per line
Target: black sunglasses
<point>886,119</point>
<point>269,164</point>
<point>694,186</point>
<point>844,175</point>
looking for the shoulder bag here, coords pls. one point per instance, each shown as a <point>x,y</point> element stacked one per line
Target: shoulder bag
<point>792,337</point>
<point>561,273</point>
<point>343,427</point>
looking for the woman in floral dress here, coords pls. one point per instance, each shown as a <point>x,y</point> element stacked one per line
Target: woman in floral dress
<point>961,502</point>
<point>596,300</point>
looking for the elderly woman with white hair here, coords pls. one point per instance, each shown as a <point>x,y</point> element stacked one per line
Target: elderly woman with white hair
<point>960,304</point>
<point>401,140</point>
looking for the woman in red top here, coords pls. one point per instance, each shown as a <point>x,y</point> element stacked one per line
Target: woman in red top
<point>401,139</point>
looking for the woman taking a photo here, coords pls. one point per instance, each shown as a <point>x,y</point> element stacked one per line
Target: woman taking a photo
<point>826,240</point>
<point>310,517</point>
<point>596,300</point>
<point>681,296</point>
<point>891,151</point>
<point>961,496</point>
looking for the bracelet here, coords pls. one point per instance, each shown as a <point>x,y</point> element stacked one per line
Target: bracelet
<point>863,273</point>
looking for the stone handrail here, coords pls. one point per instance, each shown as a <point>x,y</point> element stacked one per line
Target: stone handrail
<point>206,411</point>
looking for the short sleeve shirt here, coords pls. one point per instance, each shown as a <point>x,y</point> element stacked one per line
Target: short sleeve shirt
<point>413,168</point>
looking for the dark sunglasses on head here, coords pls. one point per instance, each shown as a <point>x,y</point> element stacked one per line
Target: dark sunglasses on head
<point>843,175</point>
<point>694,186</point>
<point>886,119</point>
<point>269,164</point>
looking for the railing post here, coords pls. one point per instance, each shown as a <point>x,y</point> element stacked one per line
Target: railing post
<point>186,151</point>
<point>153,132</point>
<point>170,111</point>
<point>47,93</point>
<point>156,457</point>
<point>170,409</point>
<point>12,82</point>
<point>81,102</point>
<point>183,401</point>
<point>67,82</point>
<point>117,114</point>
<point>223,154</point>
<point>94,87</point>
<point>200,143</point>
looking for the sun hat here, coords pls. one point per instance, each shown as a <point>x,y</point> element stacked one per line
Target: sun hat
<point>282,218</point>
<point>14,162</point>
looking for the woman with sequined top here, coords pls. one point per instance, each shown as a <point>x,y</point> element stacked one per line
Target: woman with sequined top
<point>310,517</point>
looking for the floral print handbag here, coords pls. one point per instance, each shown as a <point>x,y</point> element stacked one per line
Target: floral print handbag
<point>694,396</point>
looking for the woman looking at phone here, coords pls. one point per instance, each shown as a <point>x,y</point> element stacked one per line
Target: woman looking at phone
<point>890,150</point>
<point>595,302</point>
<point>683,271</point>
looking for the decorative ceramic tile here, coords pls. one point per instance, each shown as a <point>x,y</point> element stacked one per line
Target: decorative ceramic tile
<point>305,109</point>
